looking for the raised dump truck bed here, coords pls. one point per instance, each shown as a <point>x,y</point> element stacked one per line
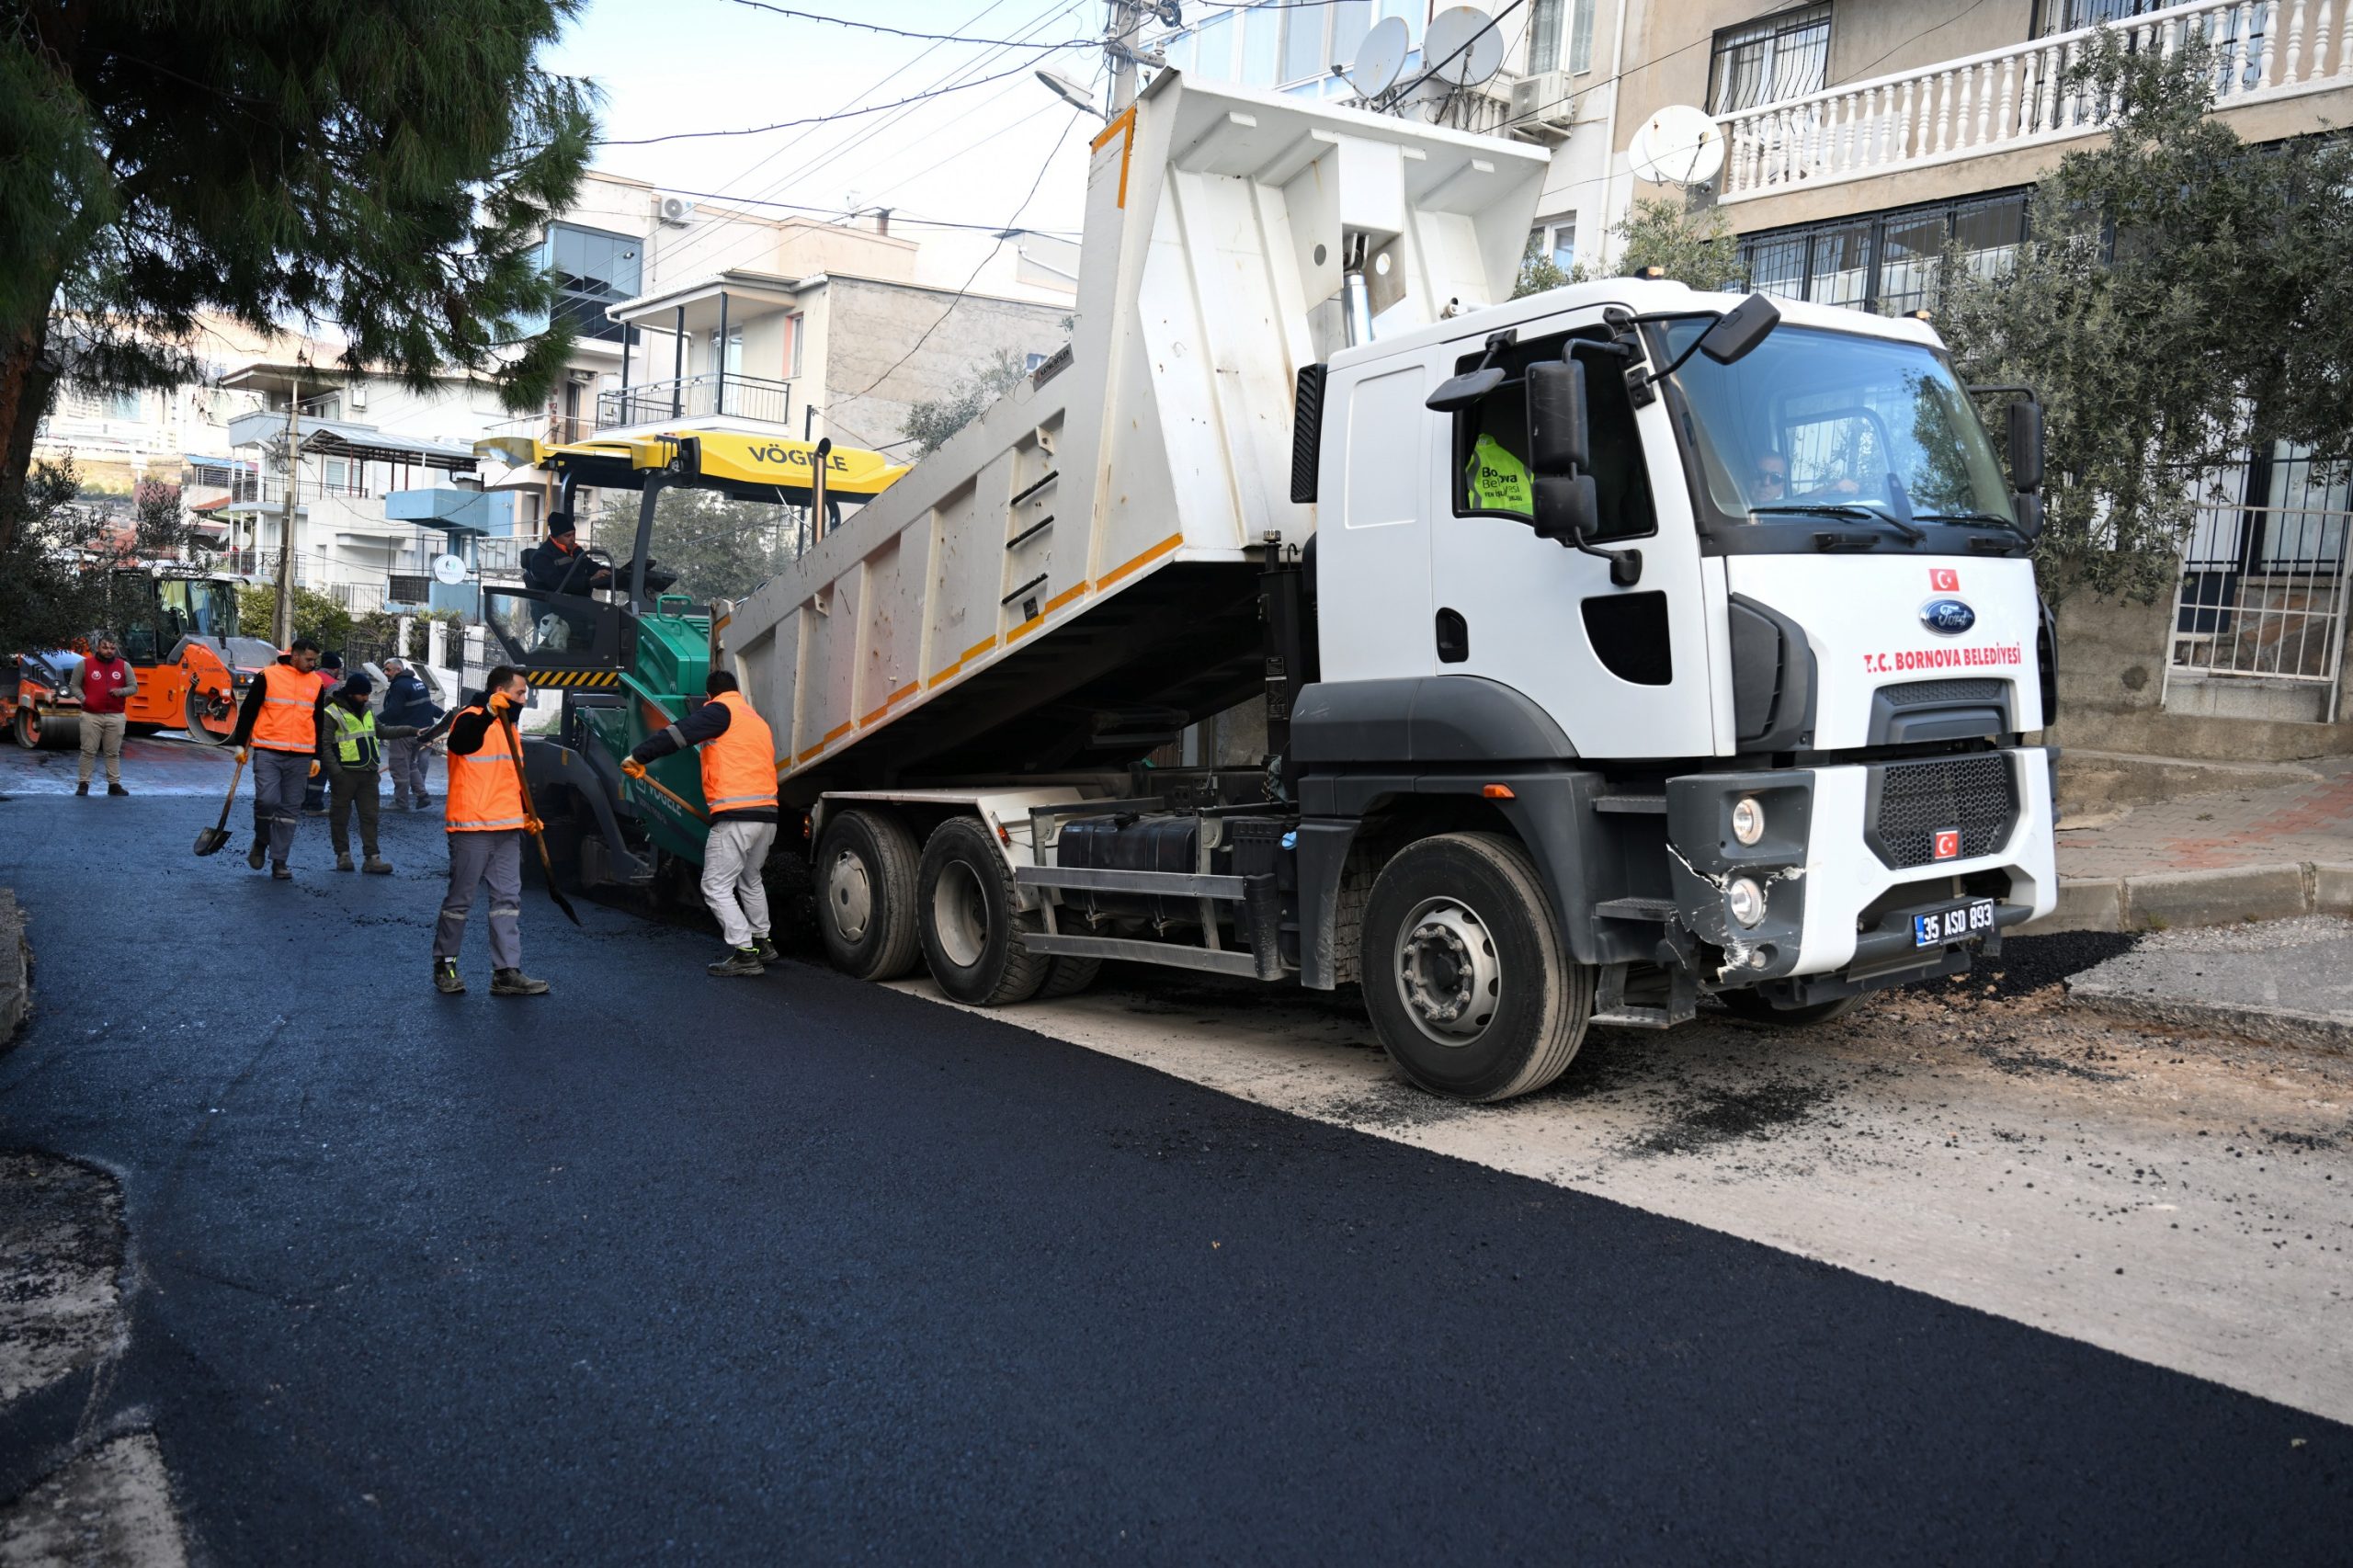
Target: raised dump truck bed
<point>1074,575</point>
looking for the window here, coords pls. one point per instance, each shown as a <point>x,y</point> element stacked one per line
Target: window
<point>734,364</point>
<point>1784,56</point>
<point>1545,35</point>
<point>1262,34</point>
<point>1555,240</point>
<point>1888,262</point>
<point>593,271</point>
<point>1031,360</point>
<point>795,329</point>
<point>1492,436</point>
<point>1303,56</point>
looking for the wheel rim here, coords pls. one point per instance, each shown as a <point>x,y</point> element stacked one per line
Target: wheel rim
<point>959,915</point>
<point>28,730</point>
<point>1448,973</point>
<point>849,895</point>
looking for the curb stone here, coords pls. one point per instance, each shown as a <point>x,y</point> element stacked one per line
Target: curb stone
<point>2273,1026</point>
<point>2198,898</point>
<point>16,966</point>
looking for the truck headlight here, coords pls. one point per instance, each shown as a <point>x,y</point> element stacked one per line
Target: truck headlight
<point>1748,820</point>
<point>1745,899</point>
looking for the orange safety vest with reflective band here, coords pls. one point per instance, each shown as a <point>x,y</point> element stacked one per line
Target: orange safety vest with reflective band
<point>739,768</point>
<point>483,795</point>
<point>288,720</point>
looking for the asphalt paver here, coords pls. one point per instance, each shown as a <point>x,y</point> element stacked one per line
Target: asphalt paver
<point>667,1266</point>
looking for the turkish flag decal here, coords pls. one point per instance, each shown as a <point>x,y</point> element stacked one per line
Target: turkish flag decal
<point>1947,845</point>
<point>1943,580</point>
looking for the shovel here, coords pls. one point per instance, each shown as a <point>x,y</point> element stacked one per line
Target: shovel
<point>676,799</point>
<point>208,840</point>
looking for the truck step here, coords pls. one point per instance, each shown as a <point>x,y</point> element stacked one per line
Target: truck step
<point>1659,909</point>
<point>1639,805</point>
<point>1631,1018</point>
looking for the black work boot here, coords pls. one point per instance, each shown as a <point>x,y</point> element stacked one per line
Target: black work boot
<point>117,789</point>
<point>739,960</point>
<point>280,873</point>
<point>83,788</point>
<point>515,983</point>
<point>765,949</point>
<point>254,855</point>
<point>343,861</point>
<point>446,979</point>
<point>376,866</point>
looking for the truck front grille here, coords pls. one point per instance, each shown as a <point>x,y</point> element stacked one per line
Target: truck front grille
<point>1911,802</point>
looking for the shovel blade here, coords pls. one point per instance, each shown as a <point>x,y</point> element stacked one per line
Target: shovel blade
<point>208,840</point>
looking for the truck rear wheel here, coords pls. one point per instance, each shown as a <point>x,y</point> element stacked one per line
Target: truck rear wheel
<point>1465,975</point>
<point>1759,1010</point>
<point>971,929</point>
<point>1068,975</point>
<point>866,886</point>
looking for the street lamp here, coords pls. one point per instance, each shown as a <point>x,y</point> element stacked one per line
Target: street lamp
<point>1071,93</point>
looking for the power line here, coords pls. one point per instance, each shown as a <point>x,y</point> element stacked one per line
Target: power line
<point>896,215</point>
<point>902,32</point>
<point>837,115</point>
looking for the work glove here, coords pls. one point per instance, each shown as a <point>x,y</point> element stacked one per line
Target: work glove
<point>633,767</point>
<point>241,754</point>
<point>314,768</point>
<point>533,825</point>
<point>499,703</point>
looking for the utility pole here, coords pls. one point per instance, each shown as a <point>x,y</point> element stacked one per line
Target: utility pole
<point>281,624</point>
<point>1127,24</point>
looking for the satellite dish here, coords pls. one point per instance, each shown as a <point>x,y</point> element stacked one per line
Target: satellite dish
<point>450,570</point>
<point>1463,46</point>
<point>1678,145</point>
<point>1383,56</point>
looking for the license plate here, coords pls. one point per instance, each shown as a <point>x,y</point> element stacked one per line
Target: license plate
<point>1952,924</point>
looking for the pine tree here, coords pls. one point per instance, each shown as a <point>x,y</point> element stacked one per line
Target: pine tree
<point>382,166</point>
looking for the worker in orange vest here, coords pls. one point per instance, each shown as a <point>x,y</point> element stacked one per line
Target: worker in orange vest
<point>487,819</point>
<point>278,729</point>
<point>739,791</point>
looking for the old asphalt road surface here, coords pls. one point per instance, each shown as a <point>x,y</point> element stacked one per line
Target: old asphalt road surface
<point>799,1268</point>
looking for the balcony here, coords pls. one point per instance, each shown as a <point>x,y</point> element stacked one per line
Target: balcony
<point>726,395</point>
<point>2016,97</point>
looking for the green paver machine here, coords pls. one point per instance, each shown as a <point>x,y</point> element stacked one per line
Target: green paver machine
<point>629,658</point>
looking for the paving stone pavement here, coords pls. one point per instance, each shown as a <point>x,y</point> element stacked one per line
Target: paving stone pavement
<point>2204,833</point>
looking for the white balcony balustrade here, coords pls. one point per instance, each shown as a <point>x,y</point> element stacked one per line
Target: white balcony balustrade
<point>2018,96</point>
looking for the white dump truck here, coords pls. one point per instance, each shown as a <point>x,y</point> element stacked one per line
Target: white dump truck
<point>1618,645</point>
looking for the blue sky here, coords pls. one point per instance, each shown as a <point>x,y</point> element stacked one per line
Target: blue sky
<point>670,65</point>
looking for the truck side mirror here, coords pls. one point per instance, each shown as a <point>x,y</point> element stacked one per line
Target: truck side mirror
<point>1458,393</point>
<point>1560,434</point>
<point>2027,507</point>
<point>1740,330</point>
<point>2026,446</point>
<point>1568,509</point>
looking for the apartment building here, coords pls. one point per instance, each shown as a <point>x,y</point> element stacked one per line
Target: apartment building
<point>1867,138</point>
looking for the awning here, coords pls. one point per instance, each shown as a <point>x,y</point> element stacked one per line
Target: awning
<point>337,437</point>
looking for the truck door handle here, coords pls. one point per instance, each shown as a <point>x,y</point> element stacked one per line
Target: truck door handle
<point>1453,637</point>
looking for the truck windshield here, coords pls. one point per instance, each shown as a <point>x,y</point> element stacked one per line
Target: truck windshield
<point>195,607</point>
<point>1816,427</point>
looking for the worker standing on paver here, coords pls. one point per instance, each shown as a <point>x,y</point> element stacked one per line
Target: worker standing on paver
<point>353,753</point>
<point>407,702</point>
<point>739,790</point>
<point>279,723</point>
<point>103,685</point>
<point>487,819</point>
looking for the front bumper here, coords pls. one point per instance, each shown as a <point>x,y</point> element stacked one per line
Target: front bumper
<point>1833,901</point>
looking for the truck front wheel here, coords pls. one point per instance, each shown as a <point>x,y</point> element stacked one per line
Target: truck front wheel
<point>971,930</point>
<point>1468,986</point>
<point>866,894</point>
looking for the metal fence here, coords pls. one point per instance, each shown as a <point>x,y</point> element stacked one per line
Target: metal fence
<point>704,396</point>
<point>2263,596</point>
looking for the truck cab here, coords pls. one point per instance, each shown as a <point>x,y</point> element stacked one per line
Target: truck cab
<point>1739,653</point>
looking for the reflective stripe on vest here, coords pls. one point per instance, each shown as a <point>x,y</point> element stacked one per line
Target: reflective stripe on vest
<point>483,795</point>
<point>1498,480</point>
<point>739,768</point>
<point>355,744</point>
<point>288,721</point>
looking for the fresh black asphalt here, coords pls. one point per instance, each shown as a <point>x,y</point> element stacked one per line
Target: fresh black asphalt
<point>799,1269</point>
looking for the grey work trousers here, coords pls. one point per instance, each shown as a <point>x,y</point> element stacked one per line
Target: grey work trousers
<point>102,731</point>
<point>731,878</point>
<point>279,778</point>
<point>354,786</point>
<point>476,858</point>
<point>406,760</point>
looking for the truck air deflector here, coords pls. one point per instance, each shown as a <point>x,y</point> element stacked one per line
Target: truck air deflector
<point>1424,720</point>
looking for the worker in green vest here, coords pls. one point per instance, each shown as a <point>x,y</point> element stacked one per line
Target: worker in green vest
<point>353,756</point>
<point>1497,481</point>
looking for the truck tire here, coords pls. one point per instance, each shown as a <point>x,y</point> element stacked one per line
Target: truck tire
<point>866,884</point>
<point>1471,989</point>
<point>1067,975</point>
<point>971,929</point>
<point>1758,1010</point>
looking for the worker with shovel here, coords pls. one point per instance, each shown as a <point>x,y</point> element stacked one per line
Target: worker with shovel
<point>279,723</point>
<point>739,790</point>
<point>487,818</point>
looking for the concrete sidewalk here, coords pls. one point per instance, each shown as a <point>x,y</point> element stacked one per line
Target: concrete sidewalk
<point>2211,859</point>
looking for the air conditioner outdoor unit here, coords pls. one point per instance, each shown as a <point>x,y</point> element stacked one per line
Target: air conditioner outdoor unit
<point>1544,101</point>
<point>676,209</point>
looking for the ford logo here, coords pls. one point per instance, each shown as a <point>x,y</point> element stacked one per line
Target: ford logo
<point>1950,616</point>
